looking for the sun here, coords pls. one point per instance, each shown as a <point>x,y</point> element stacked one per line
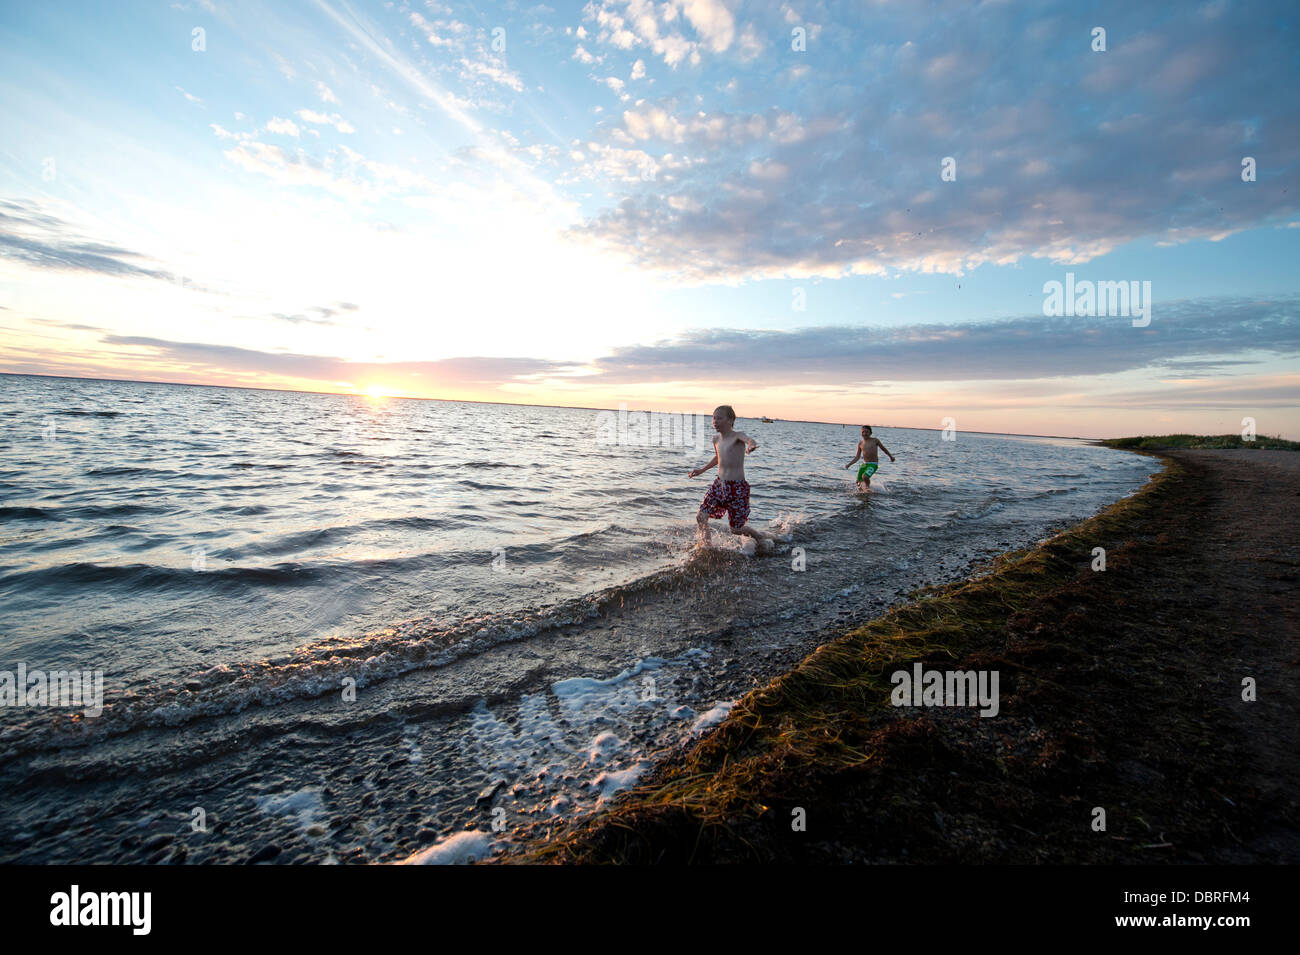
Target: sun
<point>380,391</point>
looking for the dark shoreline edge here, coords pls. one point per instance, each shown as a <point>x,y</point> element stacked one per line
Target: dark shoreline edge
<point>1109,699</point>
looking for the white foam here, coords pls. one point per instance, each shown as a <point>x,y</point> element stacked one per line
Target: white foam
<point>783,526</point>
<point>579,686</point>
<point>503,747</point>
<point>461,848</point>
<point>610,783</point>
<point>595,746</point>
<point>412,746</point>
<point>603,747</point>
<point>713,717</point>
<point>306,804</point>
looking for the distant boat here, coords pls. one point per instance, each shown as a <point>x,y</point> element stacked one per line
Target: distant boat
<point>767,420</point>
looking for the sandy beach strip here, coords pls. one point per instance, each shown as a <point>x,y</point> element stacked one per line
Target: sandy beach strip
<point>1159,694</point>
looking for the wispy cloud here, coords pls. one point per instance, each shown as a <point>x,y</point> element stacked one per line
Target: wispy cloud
<point>451,371</point>
<point>318,315</point>
<point>1022,348</point>
<point>1190,341</point>
<point>325,119</point>
<point>33,237</point>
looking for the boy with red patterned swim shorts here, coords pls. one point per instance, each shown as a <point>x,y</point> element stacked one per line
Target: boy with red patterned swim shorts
<point>729,493</point>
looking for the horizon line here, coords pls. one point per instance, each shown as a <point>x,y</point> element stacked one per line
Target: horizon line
<point>512,404</point>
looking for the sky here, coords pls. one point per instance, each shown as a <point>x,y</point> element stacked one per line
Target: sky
<point>849,212</point>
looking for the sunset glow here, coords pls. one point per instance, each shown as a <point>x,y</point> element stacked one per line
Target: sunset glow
<point>379,194</point>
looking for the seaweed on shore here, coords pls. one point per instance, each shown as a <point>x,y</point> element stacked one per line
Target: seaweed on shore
<point>1200,442</point>
<point>1109,699</point>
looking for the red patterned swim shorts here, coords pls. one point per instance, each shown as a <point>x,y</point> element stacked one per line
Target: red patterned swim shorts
<point>730,498</point>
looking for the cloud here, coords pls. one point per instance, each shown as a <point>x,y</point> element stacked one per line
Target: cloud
<point>430,30</point>
<point>1022,348</point>
<point>283,127</point>
<point>323,315</point>
<point>325,119</point>
<point>1264,391</point>
<point>35,238</point>
<point>712,21</point>
<point>1060,153</point>
<point>1191,344</point>
<point>230,359</point>
<point>74,326</point>
<point>663,28</point>
<point>342,171</point>
<point>657,123</point>
<point>492,71</point>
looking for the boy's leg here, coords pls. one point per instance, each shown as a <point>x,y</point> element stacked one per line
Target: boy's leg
<point>738,511</point>
<point>748,531</point>
<point>709,507</point>
<point>864,477</point>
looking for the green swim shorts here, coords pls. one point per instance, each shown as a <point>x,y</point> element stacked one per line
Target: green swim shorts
<point>868,468</point>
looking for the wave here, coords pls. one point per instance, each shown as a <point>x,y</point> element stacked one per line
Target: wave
<point>92,512</point>
<point>1049,492</point>
<point>139,577</point>
<point>479,486</point>
<point>320,668</point>
<point>243,510</point>
<point>29,514</point>
<point>320,536</point>
<point>137,472</point>
<point>89,512</point>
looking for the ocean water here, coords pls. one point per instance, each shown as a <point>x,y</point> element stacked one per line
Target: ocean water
<point>347,628</point>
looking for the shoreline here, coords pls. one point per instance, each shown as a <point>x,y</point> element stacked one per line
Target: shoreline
<point>1119,690</point>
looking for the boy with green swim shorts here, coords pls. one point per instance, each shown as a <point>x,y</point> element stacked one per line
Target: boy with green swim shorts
<point>867,450</point>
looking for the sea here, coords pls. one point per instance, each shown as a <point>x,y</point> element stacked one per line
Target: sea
<point>317,629</point>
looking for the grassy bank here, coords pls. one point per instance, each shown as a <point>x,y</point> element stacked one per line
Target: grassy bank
<point>1199,441</point>
<point>1112,695</point>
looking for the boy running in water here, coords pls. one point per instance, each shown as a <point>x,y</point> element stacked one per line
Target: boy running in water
<point>867,448</point>
<point>729,493</point>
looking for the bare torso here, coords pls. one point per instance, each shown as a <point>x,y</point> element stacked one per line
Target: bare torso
<point>869,448</point>
<point>731,455</point>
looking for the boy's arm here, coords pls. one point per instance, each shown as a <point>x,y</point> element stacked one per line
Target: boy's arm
<point>710,464</point>
<point>856,454</point>
<point>750,443</point>
<point>706,467</point>
<point>885,449</point>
